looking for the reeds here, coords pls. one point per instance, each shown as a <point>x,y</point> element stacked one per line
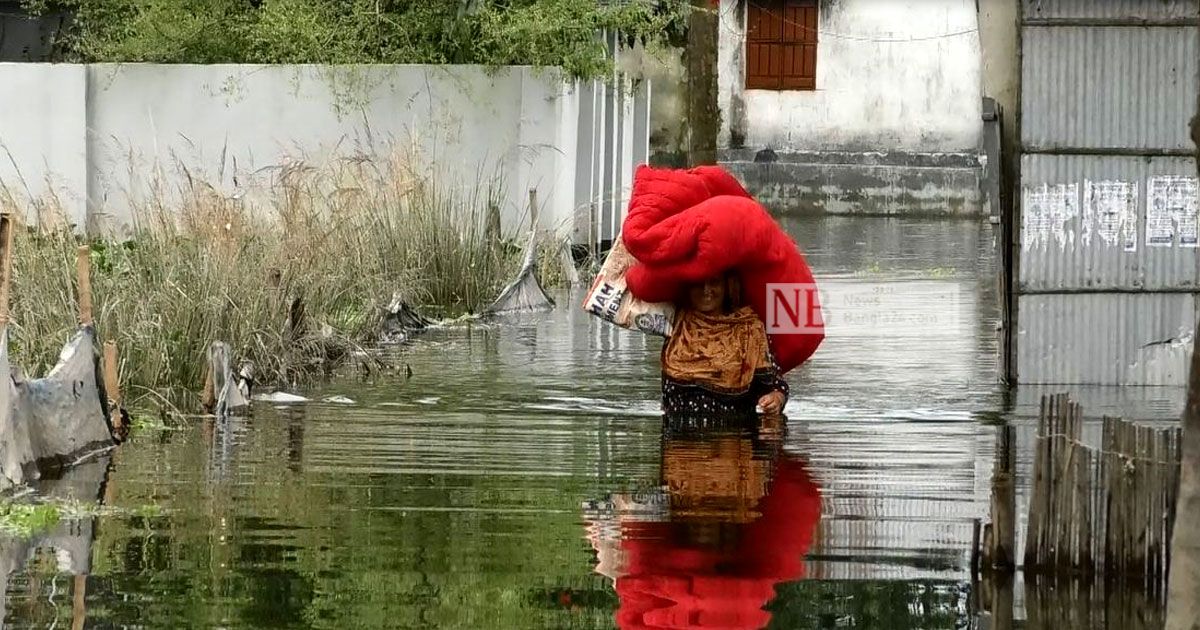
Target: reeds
<point>293,276</point>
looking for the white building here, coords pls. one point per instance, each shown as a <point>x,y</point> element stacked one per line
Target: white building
<point>855,106</point>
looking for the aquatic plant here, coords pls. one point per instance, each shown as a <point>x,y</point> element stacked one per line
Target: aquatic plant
<point>295,276</point>
<point>27,519</point>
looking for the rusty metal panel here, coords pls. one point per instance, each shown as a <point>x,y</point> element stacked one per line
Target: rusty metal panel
<point>1109,9</point>
<point>1106,338</point>
<point>1080,249</point>
<point>1109,87</point>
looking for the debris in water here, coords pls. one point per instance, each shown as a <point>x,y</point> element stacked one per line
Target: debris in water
<point>51,423</point>
<point>401,321</point>
<point>432,400</point>
<point>280,398</point>
<point>226,393</point>
<point>338,400</point>
<point>525,293</point>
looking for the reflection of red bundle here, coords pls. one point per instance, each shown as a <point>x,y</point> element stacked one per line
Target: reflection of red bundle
<point>686,226</point>
<point>666,582</point>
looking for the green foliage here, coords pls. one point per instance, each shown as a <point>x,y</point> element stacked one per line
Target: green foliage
<point>27,519</point>
<point>543,33</point>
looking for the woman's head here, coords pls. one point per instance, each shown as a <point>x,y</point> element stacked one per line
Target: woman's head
<point>720,293</point>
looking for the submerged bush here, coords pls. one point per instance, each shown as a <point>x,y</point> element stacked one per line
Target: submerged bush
<point>332,250</point>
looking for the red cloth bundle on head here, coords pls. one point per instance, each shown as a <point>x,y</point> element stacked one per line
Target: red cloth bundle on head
<point>685,226</point>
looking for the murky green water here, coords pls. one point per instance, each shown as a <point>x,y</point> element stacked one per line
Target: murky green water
<point>522,477</point>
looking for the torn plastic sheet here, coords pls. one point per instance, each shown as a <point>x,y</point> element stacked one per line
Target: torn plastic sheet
<point>525,293</point>
<point>67,411</point>
<point>51,422</point>
<point>227,389</point>
<point>17,461</point>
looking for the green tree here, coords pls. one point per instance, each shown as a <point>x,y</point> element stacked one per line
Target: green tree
<point>558,33</point>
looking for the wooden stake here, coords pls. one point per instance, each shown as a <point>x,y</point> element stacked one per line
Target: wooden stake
<point>112,382</point>
<point>6,240</point>
<point>208,397</point>
<point>83,269</point>
<point>1108,475</point>
<point>1033,532</point>
<point>1001,555</point>
<point>533,209</point>
<point>79,603</point>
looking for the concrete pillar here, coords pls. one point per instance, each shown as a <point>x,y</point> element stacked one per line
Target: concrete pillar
<point>1000,45</point>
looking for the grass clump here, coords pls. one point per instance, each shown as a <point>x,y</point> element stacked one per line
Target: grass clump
<point>324,248</point>
<point>26,519</point>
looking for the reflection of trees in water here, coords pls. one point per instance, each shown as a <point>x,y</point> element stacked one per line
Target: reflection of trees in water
<point>254,534</point>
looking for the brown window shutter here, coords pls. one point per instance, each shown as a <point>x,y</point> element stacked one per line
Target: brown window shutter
<point>781,44</point>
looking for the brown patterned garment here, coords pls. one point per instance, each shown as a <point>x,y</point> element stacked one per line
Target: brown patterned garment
<point>718,364</point>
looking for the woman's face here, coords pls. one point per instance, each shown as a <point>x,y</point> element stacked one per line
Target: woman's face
<point>708,296</point>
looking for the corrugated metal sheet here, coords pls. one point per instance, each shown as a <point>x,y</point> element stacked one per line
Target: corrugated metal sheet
<point>1105,338</point>
<point>1109,9</point>
<point>1101,87</point>
<point>1082,258</point>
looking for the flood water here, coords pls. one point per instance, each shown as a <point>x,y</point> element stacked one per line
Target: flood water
<point>523,477</point>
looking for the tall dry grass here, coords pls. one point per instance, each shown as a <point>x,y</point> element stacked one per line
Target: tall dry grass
<point>202,266</point>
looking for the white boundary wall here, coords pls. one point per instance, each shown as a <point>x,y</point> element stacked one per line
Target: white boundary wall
<point>99,136</point>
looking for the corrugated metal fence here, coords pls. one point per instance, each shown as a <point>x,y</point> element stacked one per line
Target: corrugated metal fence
<point>1108,266</point>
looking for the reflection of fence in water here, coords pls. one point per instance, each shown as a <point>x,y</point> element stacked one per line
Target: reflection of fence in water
<point>1044,603</point>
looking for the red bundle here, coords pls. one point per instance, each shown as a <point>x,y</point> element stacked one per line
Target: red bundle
<point>686,226</point>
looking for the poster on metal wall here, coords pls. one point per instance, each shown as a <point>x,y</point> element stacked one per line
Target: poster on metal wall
<point>1046,211</point>
<point>1171,207</point>
<point>1110,213</point>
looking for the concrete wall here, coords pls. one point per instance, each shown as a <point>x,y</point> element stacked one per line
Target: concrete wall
<point>43,136</point>
<point>871,95</point>
<point>898,87</point>
<point>109,137</point>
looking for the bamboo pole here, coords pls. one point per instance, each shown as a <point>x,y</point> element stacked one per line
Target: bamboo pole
<point>1001,555</point>
<point>112,383</point>
<point>83,270</point>
<point>208,396</point>
<point>1108,474</point>
<point>6,242</point>
<point>533,209</point>
<point>79,603</point>
<point>1033,532</point>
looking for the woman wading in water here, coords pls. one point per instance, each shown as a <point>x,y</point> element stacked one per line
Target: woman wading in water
<point>717,361</point>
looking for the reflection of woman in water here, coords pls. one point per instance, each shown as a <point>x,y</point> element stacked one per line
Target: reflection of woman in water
<point>717,360</point>
<point>742,514</point>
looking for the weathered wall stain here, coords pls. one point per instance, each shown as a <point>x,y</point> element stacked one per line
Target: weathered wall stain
<point>736,103</point>
<point>891,75</point>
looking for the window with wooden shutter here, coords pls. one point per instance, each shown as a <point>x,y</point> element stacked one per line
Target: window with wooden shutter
<point>781,45</point>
